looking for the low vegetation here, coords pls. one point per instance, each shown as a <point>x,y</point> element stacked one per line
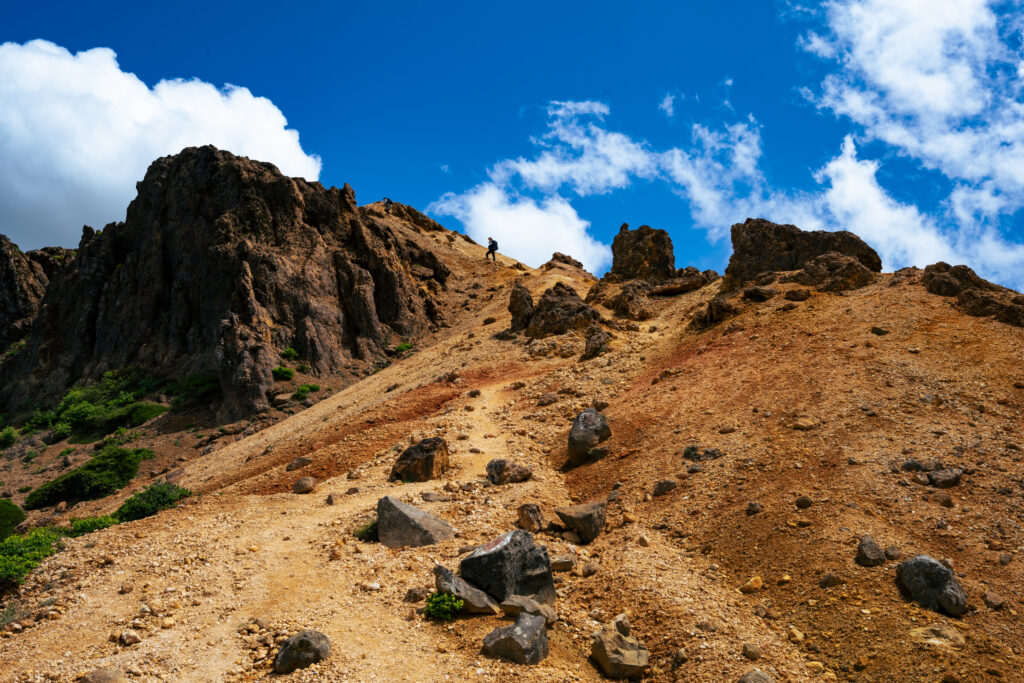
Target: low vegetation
<point>7,437</point>
<point>289,354</point>
<point>305,390</point>
<point>107,472</point>
<point>150,501</point>
<point>10,516</point>
<point>443,606</point>
<point>367,531</point>
<point>21,554</point>
<point>193,389</point>
<point>282,373</point>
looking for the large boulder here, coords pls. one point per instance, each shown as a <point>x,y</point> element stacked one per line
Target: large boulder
<point>474,600</point>
<point>932,585</point>
<point>975,296</point>
<point>301,650</point>
<point>559,310</point>
<point>644,254</point>
<point>719,308</point>
<point>525,642</point>
<point>520,305</point>
<point>617,653</point>
<point>597,340</point>
<point>424,461</point>
<point>631,302</point>
<point>687,279</point>
<point>833,272</point>
<point>511,565</point>
<point>759,245</point>
<point>586,519</point>
<point>589,429</point>
<point>400,524</point>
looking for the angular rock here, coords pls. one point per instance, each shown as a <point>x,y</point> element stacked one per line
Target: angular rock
<point>664,486</point>
<point>400,524</point>
<point>760,245</point>
<point>520,305</point>
<point>107,674</point>
<point>797,295</point>
<point>687,279</point>
<point>305,648</point>
<point>617,653</point>
<point>589,429</point>
<point>597,339</point>
<point>304,485</point>
<point>514,605</point>
<point>23,281</point>
<point>945,478</point>
<point>586,519</point>
<point>501,471</point>
<point>717,310</point>
<point>563,563</point>
<point>869,553</point>
<point>932,585</point>
<point>559,310</point>
<point>558,258</point>
<point>834,272</point>
<point>511,565</point>
<point>525,642</point>
<point>297,463</point>
<point>423,461</point>
<point>631,302</point>
<point>530,518</point>
<point>975,296</point>
<point>756,293</point>
<point>644,254</point>
<point>474,600</point>
<point>755,676</point>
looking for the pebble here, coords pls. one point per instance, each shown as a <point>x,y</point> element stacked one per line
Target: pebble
<point>752,585</point>
<point>752,651</point>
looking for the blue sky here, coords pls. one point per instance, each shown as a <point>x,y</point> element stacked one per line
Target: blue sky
<point>544,124</point>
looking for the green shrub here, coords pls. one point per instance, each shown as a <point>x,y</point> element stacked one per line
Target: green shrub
<point>283,373</point>
<point>87,525</point>
<point>15,348</point>
<point>367,531</point>
<point>150,501</point>
<point>62,430</point>
<point>7,437</point>
<point>21,554</point>
<point>194,388</point>
<point>443,606</point>
<point>107,472</point>
<point>289,354</point>
<point>24,489</point>
<point>144,412</point>
<point>404,346</point>
<point>305,390</point>
<point>303,367</point>
<point>10,516</point>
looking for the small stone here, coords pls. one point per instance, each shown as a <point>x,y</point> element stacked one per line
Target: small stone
<point>108,674</point>
<point>932,585</point>
<point>664,486</point>
<point>297,463</point>
<point>830,580</point>
<point>501,471</point>
<point>563,563</point>
<point>804,423</point>
<point>589,569</point>
<point>752,651</point>
<point>753,508</point>
<point>1005,558</point>
<point>752,585</point>
<point>514,605</point>
<point>892,553</point>
<point>434,497</point>
<point>803,502</point>
<point>586,519</point>
<point>304,485</point>
<point>126,588</point>
<point>301,650</point>
<point>474,600</point>
<point>168,622</point>
<point>869,554</point>
<point>993,600</point>
<point>617,653</point>
<point>530,518</point>
<point>755,676</point>
<point>130,637</point>
<point>332,498</point>
<point>880,331</point>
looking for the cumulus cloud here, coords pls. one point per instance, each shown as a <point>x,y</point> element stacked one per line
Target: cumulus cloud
<point>668,105</point>
<point>77,132</point>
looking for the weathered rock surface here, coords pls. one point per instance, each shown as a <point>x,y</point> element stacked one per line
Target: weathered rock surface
<point>687,279</point>
<point>107,674</point>
<point>304,485</point>
<point>760,245</point>
<point>589,429</point>
<point>511,565</point>
<point>514,605</point>
<point>755,676</point>
<point>530,517</point>
<point>559,310</point>
<point>501,471</point>
<point>718,309</point>
<point>869,553</point>
<point>642,254</point>
<point>525,642</point>
<point>586,519</point>
<point>221,262</point>
<point>423,461</point>
<point>833,272</point>
<point>617,653</point>
<point>597,339</point>
<point>520,305</point>
<point>631,302</point>
<point>932,585</point>
<point>23,281</point>
<point>474,600</point>
<point>975,296</point>
<point>301,650</point>
<point>400,524</point>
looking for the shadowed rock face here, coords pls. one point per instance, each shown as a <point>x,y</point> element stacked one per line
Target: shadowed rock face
<point>644,254</point>
<point>974,295</point>
<point>759,246</point>
<point>220,263</point>
<point>23,280</point>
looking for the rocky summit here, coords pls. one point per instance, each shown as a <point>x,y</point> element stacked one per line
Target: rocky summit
<point>260,432</point>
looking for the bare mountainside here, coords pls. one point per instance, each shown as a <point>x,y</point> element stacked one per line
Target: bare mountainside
<point>779,454</point>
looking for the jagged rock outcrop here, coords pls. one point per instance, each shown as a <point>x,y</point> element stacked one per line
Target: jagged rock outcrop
<point>974,295</point>
<point>559,310</point>
<point>687,279</point>
<point>833,272</point>
<point>520,305</point>
<point>759,245</point>
<point>631,302</point>
<point>23,281</point>
<point>642,254</point>
<point>560,259</point>
<point>221,262</point>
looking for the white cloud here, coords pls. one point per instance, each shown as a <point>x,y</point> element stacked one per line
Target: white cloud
<point>668,105</point>
<point>77,133</point>
<point>525,229</point>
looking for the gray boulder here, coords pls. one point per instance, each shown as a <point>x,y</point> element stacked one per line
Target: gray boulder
<point>304,485</point>
<point>301,650</point>
<point>525,642</point>
<point>511,565</point>
<point>932,585</point>
<point>474,600</point>
<point>588,430</point>
<point>869,553</point>
<point>400,524</point>
<point>618,654</point>
<point>514,605</point>
<point>586,519</point>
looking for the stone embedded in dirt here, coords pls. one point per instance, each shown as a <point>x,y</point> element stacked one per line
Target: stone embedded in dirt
<point>511,565</point>
<point>565,562</point>
<point>130,637</point>
<point>833,272</point>
<point>597,339</point>
<point>939,636</point>
<point>547,399</point>
<point>693,452</point>
<point>755,676</point>
<point>892,553</point>
<point>642,254</point>
<point>416,595</point>
<point>804,423</point>
<point>559,310</point>
<point>753,508</point>
<point>501,471</point>
<point>943,499</point>
<point>759,245</point>
<point>830,580</point>
<point>1005,558</point>
<point>305,648</point>
<point>803,502</point>
<point>520,305</point>
<point>530,518</point>
<point>664,486</point>
<point>107,674</point>
<point>423,461</point>
<point>586,519</point>
<point>717,310</point>
<point>297,463</point>
<point>752,585</point>
<point>525,642</point>
<point>945,478</point>
<point>752,651</point>
<point>175,476</point>
<point>400,524</point>
<point>304,485</point>
<point>434,497</point>
<point>513,605</point>
<point>617,653</point>
<point>931,584</point>
<point>993,600</point>
<point>686,280</point>
<point>759,294</point>
<point>797,294</point>
<point>589,429</point>
<point>589,569</point>
<point>474,600</point>
<point>869,553</point>
<point>880,331</point>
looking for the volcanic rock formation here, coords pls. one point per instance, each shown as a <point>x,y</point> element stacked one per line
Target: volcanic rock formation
<point>23,280</point>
